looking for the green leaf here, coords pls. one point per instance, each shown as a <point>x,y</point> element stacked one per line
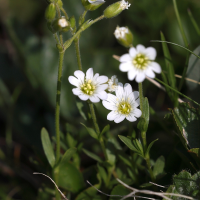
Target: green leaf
<point>159,166</point>
<point>79,105</point>
<point>124,158</point>
<point>146,185</point>
<point>196,155</point>
<point>68,154</point>
<point>187,185</point>
<point>71,141</point>
<point>128,142</point>
<point>102,173</point>
<point>91,132</point>
<point>92,155</point>
<point>194,22</point>
<point>187,120</point>
<point>119,190</point>
<point>149,147</point>
<point>168,63</point>
<point>70,177</point>
<point>193,70</point>
<point>144,120</point>
<point>105,129</point>
<point>47,146</point>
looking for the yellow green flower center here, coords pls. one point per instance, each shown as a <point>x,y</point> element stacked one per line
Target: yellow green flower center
<point>141,61</point>
<point>88,87</point>
<point>124,108</point>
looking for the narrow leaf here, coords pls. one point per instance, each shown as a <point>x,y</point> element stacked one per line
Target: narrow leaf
<point>92,155</point>
<point>194,22</point>
<point>149,147</point>
<point>168,63</point>
<point>79,105</point>
<point>105,129</point>
<point>47,146</point>
<point>68,154</point>
<point>91,132</point>
<point>159,166</point>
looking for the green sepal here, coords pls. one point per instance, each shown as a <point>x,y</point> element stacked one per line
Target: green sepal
<point>47,146</point>
<point>50,12</point>
<point>113,10</point>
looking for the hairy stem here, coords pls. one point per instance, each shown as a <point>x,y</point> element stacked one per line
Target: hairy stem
<point>78,54</point>
<point>57,118</point>
<point>96,126</point>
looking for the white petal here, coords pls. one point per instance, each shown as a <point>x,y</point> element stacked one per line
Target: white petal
<point>140,48</point>
<point>112,99</point>
<point>74,81</point>
<point>80,75</point>
<point>119,119</point>
<point>137,102</point>
<point>89,74</point>
<point>137,112</point>
<point>120,91</point>
<point>112,115</point>
<point>131,74</point>
<point>140,77</point>
<point>132,52</point>
<point>125,67</point>
<point>95,77</point>
<point>102,79</point>
<point>149,73</point>
<point>127,89</point>
<point>94,99</point>
<point>131,117</point>
<point>101,88</point>
<point>102,95</point>
<point>155,67</point>
<point>150,53</point>
<point>83,97</point>
<point>125,58</point>
<point>77,91</point>
<point>109,105</point>
<point>136,94</point>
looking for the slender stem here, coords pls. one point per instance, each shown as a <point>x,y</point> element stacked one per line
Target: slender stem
<point>177,91</point>
<point>194,22</point>
<point>56,38</point>
<point>180,24</point>
<point>143,133</point>
<point>65,13</point>
<point>96,126</point>
<point>78,55</point>
<point>57,116</point>
<point>149,168</point>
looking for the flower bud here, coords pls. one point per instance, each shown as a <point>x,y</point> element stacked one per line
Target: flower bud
<point>91,5</point>
<point>116,8</point>
<point>50,12</point>
<point>124,36</point>
<point>61,25</point>
<point>72,21</point>
<point>60,3</point>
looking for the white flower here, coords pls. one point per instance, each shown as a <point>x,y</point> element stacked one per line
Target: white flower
<point>112,84</point>
<point>96,2</point>
<point>63,22</point>
<point>123,105</point>
<point>120,32</point>
<point>139,63</point>
<point>90,87</point>
<point>124,5</point>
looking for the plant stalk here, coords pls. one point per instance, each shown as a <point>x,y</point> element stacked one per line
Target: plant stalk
<point>78,54</point>
<point>96,126</point>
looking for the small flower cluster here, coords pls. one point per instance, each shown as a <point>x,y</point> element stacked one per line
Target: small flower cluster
<point>138,63</point>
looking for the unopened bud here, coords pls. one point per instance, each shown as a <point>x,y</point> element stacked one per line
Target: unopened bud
<point>60,3</point>
<point>72,21</point>
<point>91,5</point>
<point>61,25</point>
<point>50,12</point>
<point>116,8</point>
<point>124,36</point>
